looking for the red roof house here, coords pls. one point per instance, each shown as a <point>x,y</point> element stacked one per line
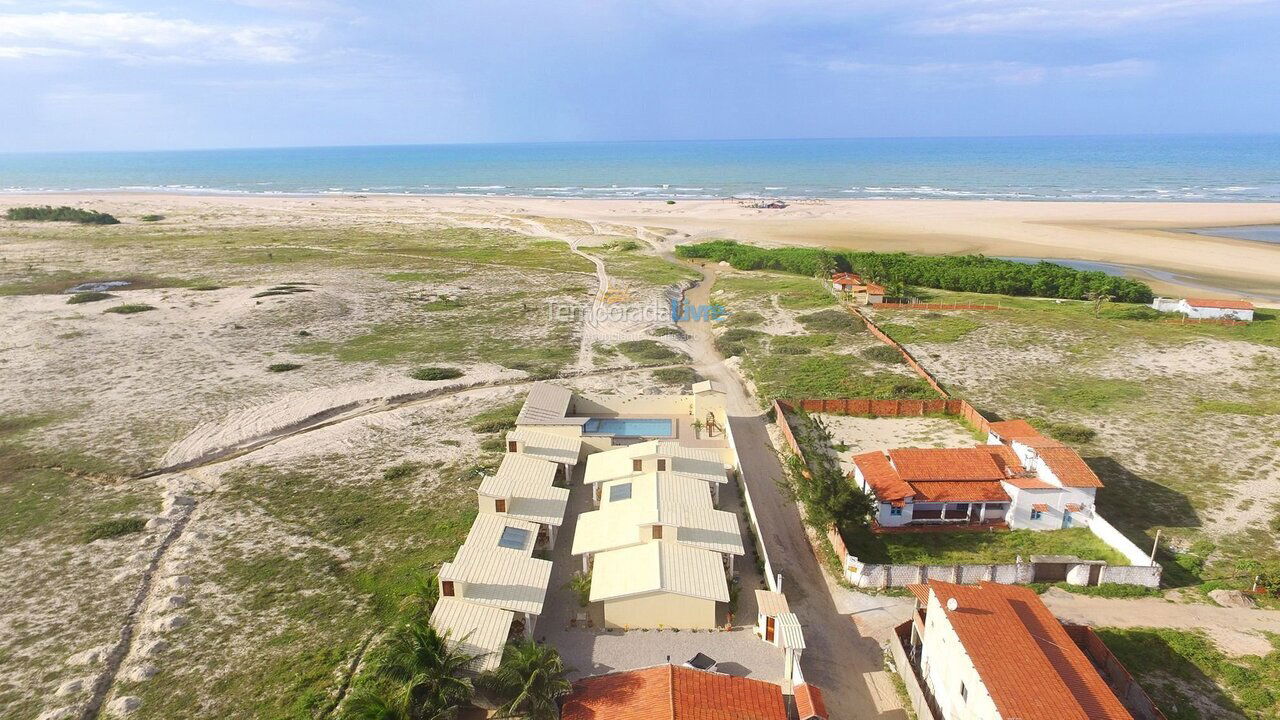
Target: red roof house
<point>667,692</point>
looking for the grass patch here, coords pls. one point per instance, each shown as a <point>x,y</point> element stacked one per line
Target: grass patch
<point>1227,407</point>
<point>625,260</point>
<point>794,293</point>
<point>1066,431</point>
<point>289,289</point>
<point>283,367</point>
<point>62,213</point>
<point>207,287</point>
<point>930,328</point>
<point>436,373</point>
<point>650,352</point>
<point>88,297</point>
<point>113,528</point>
<point>1106,590</point>
<point>736,341</point>
<point>830,321</point>
<point>883,354</point>
<point>678,376</point>
<point>1088,394</point>
<point>130,309</point>
<point>499,419</point>
<point>829,376</point>
<point>151,218</point>
<point>979,548</point>
<point>401,471</point>
<point>744,318</point>
<point>1247,685</point>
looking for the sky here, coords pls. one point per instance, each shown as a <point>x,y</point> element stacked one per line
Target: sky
<point>138,74</point>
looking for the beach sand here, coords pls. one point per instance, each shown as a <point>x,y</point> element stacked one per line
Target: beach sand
<point>1140,236</point>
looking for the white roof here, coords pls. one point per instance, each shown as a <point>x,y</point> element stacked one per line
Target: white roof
<point>789,633</point>
<point>659,567</point>
<point>672,501</point>
<point>478,630</point>
<point>526,483</point>
<point>769,602</point>
<point>707,385</point>
<point>705,464</point>
<point>505,577</point>
<point>548,446</point>
<point>547,404</point>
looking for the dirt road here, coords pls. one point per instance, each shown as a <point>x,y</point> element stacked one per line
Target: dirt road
<point>846,665</point>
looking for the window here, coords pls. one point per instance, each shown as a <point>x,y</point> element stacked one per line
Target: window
<point>1035,514</point>
<point>637,465</point>
<point>514,538</point>
<point>511,446</point>
<point>657,532</point>
<point>964,692</point>
<point>895,510</point>
<point>446,588</point>
<point>662,464</point>
<point>621,491</point>
<point>500,505</point>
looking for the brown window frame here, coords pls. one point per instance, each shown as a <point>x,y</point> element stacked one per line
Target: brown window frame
<point>637,465</point>
<point>657,532</point>
<point>662,464</point>
<point>512,445</point>
<point>500,505</point>
<point>446,588</point>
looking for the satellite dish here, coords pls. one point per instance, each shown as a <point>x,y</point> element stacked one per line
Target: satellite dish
<point>952,605</point>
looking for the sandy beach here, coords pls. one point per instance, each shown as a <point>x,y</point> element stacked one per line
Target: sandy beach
<point>1141,236</point>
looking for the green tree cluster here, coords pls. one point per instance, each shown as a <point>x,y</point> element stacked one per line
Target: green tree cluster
<point>963,273</point>
<point>64,213</point>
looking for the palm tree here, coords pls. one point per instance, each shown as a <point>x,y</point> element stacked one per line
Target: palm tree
<point>529,680</point>
<point>417,674</point>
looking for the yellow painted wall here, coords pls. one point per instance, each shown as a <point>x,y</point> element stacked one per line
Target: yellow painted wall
<point>660,610</point>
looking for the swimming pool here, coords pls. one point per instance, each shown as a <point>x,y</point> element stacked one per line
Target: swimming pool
<point>630,427</point>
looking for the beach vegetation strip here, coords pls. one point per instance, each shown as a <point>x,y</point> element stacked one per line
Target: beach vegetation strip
<point>62,213</point>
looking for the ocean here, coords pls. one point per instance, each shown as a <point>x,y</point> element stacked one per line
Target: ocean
<point>1110,168</point>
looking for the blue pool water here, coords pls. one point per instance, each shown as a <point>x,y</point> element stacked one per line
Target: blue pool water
<point>629,427</point>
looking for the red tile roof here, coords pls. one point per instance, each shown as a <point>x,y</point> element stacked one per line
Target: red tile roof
<point>667,692</point>
<point>874,289</point>
<point>884,481</point>
<point>809,703</point>
<point>1005,458</point>
<point>1224,304</point>
<point>932,464</point>
<point>1031,483</point>
<point>951,491</point>
<point>1013,429</point>
<point>1070,469</point>
<point>1040,507</point>
<point>845,278</point>
<point>921,591</point>
<point>1027,661</point>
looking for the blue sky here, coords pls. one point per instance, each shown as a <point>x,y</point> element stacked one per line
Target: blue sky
<point>135,74</point>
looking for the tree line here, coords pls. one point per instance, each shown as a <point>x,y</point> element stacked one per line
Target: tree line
<point>963,273</point>
<point>64,213</point>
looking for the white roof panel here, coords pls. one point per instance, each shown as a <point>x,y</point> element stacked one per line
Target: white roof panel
<point>659,567</point>
<point>477,630</point>
<point>548,446</point>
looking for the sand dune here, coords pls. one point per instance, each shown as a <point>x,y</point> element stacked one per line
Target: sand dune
<point>1141,235</point>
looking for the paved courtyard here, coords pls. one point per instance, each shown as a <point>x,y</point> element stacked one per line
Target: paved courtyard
<point>592,651</point>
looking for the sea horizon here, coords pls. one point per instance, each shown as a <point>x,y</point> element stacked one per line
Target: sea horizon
<point>1115,168</point>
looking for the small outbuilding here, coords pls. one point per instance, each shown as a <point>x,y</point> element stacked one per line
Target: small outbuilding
<point>1207,308</point>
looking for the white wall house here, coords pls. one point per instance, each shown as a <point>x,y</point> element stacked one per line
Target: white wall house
<point>1206,308</point>
<point>995,652</point>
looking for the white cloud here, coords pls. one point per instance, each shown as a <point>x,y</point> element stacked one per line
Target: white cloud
<point>1000,73</point>
<point>19,53</point>
<point>147,37</point>
<point>1012,16</point>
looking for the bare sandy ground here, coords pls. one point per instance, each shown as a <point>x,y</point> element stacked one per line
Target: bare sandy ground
<point>1142,235</point>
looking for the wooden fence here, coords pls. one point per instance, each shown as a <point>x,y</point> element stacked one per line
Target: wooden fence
<point>934,306</point>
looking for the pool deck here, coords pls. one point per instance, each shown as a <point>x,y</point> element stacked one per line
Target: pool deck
<point>681,424</point>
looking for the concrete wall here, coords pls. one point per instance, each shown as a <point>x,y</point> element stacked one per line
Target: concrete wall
<point>1111,536</point>
<point>946,668</point>
<point>605,405</point>
<point>656,610</point>
<point>898,653</point>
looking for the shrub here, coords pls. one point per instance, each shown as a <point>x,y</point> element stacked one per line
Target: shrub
<point>836,321</point>
<point>499,419</point>
<point>206,287</point>
<point>282,367</point>
<point>64,213</point>
<point>281,290</point>
<point>113,528</point>
<point>129,308</point>
<point>151,218</point>
<point>734,341</point>
<point>650,352</point>
<point>1137,312</point>
<point>401,471</point>
<point>967,273</point>
<point>623,245</point>
<point>88,297</point>
<point>493,444</point>
<point>1067,431</point>
<point>667,330</point>
<point>436,373</point>
<point>677,376</point>
<point>580,584</point>
<point>883,354</point>
<point>744,318</point>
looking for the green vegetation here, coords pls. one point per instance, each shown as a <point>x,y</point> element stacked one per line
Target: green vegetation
<point>830,321</point>
<point>88,297</point>
<point>829,376</point>
<point>580,584</point>
<point>499,419</point>
<point>1066,431</point>
<point>1175,666</point>
<point>794,293</point>
<point>800,344</point>
<point>206,287</point>
<point>817,481</point>
<point>735,341</point>
<point>971,273</point>
<point>528,682</point>
<point>883,354</point>
<point>114,528</point>
<point>282,367</point>
<point>1106,590</point>
<point>744,318</point>
<point>401,471</point>
<point>151,218</point>
<point>415,674</point>
<point>679,376</point>
<point>628,260</point>
<point>978,548</point>
<point>1085,394</point>
<point>1261,406</point>
<point>930,327</point>
<point>650,352</point>
<point>436,373</point>
<point>63,213</point>
<point>129,308</point>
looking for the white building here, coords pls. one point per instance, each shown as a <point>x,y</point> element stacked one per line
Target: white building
<point>1206,308</point>
<point>495,567</point>
<point>698,463</point>
<point>1019,478</point>
<point>995,652</point>
<point>524,488</point>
